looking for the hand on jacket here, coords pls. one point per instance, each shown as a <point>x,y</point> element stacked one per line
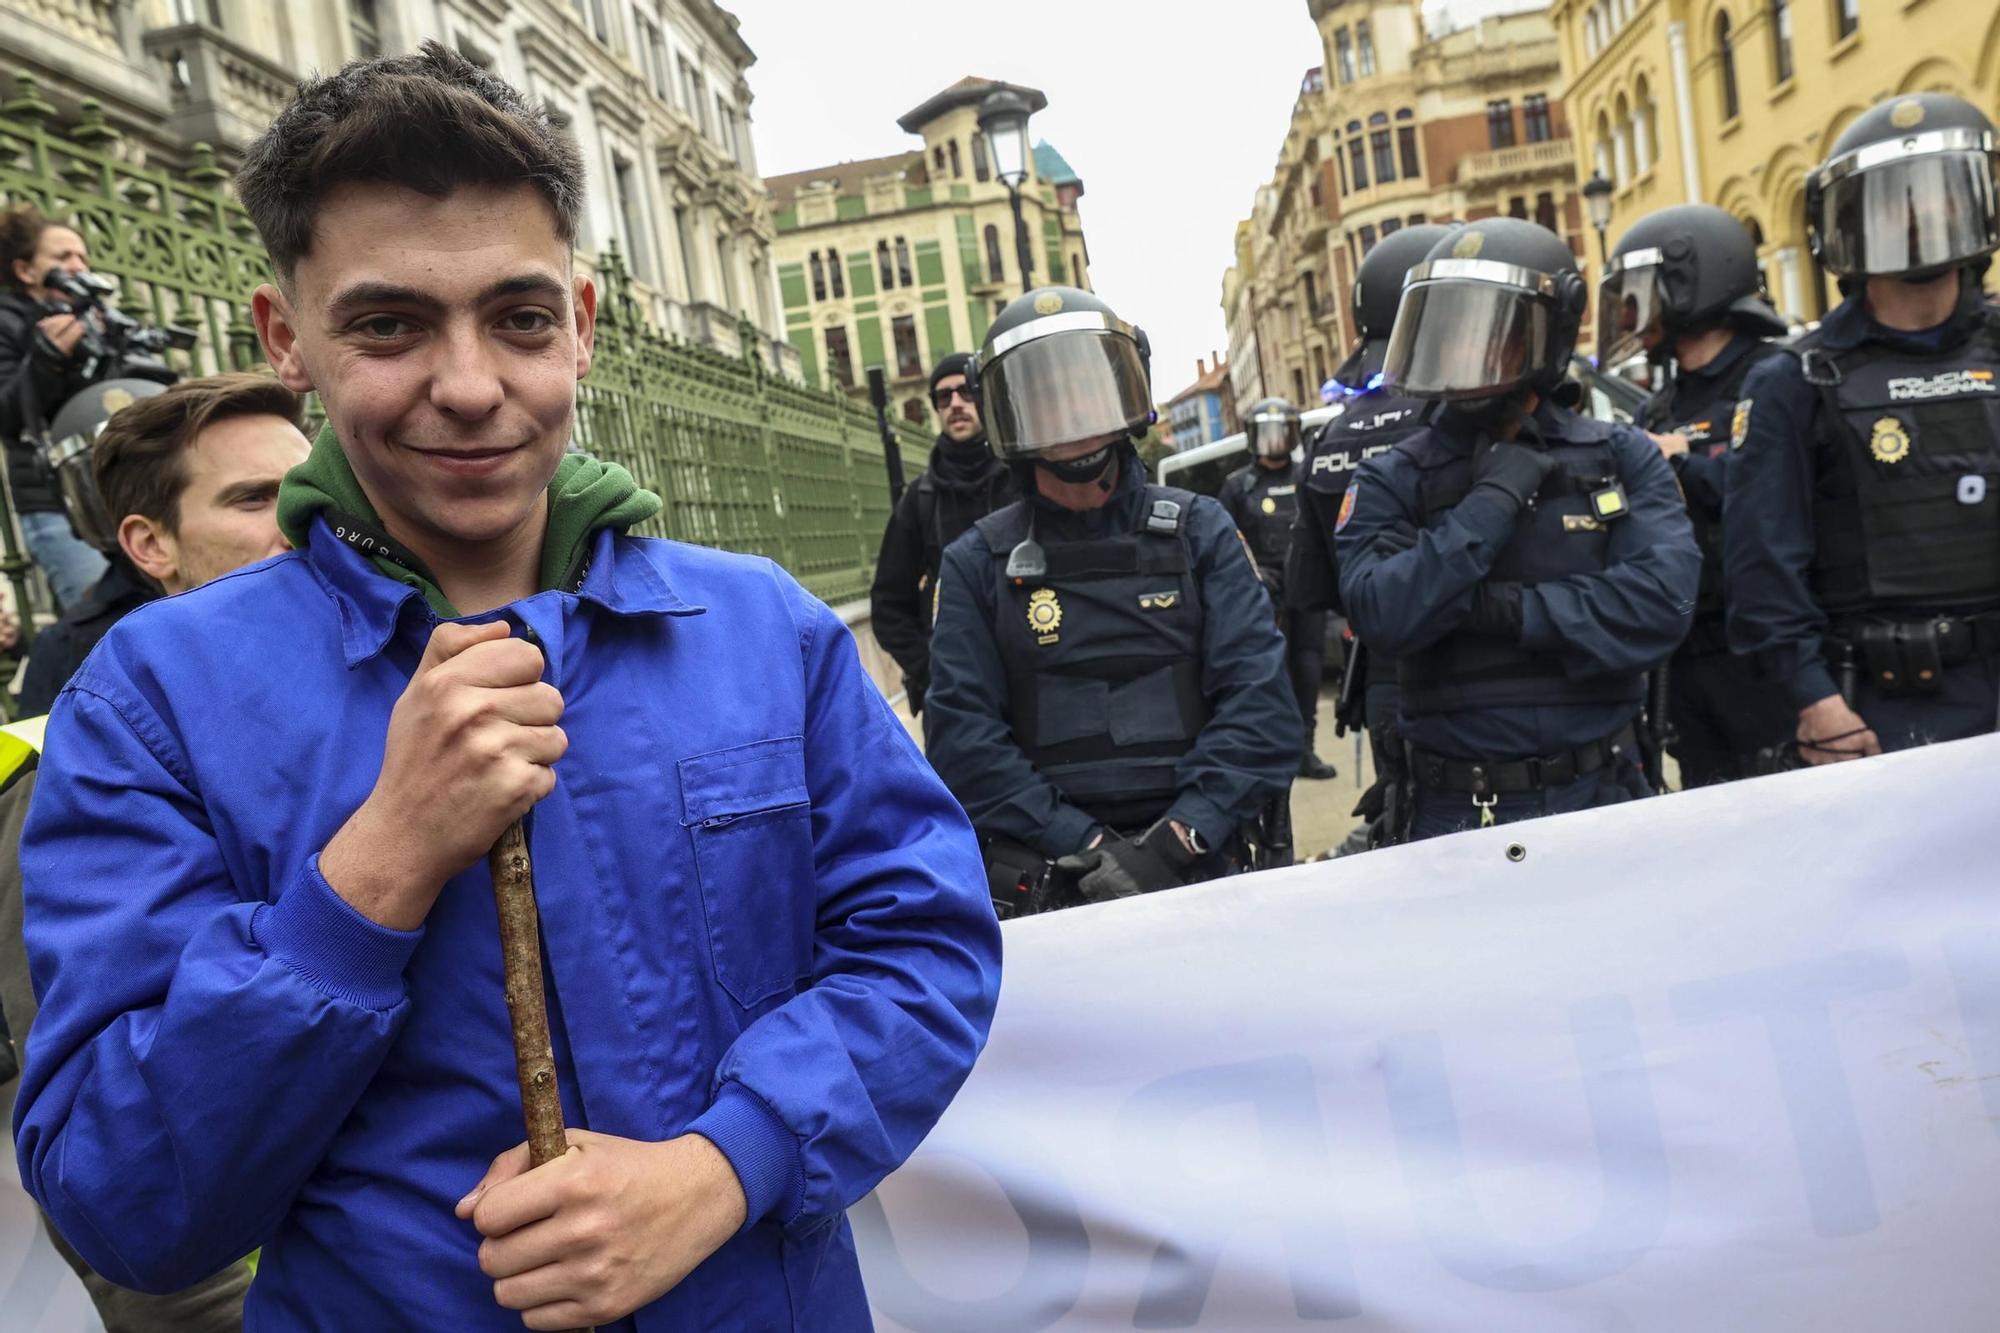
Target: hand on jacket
<point>1512,469</point>
<point>1831,732</point>
<point>1123,868</point>
<point>469,750</point>
<point>63,332</point>
<point>611,1225</point>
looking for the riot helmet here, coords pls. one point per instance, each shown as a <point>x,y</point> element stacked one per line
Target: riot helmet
<point>67,448</point>
<point>1680,270</point>
<point>1492,310</point>
<point>1274,428</point>
<point>1910,190</point>
<point>1058,369</point>
<point>1378,283</point>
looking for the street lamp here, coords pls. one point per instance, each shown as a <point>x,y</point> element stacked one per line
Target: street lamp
<point>1003,119</point>
<point>1597,198</point>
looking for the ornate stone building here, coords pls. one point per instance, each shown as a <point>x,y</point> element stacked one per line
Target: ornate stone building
<point>655,91</point>
<point>1397,125</point>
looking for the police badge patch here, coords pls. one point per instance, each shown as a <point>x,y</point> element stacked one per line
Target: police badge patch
<point>1044,615</point>
<point>1739,425</point>
<point>1270,506</point>
<point>1888,441</point>
<point>1346,506</point>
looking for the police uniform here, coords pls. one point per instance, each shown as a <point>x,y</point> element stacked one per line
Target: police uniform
<point>1264,502</point>
<point>1871,463</point>
<point>1728,719</point>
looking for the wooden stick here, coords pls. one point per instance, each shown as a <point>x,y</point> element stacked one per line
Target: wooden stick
<point>527,1003</point>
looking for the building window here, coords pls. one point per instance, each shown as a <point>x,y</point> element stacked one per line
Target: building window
<point>994,271</point>
<point>981,170</point>
<point>1416,219</point>
<point>838,363</point>
<point>1645,135</point>
<point>1343,56</point>
<point>1545,212</point>
<point>1385,153</point>
<point>909,361</point>
<point>1846,18</point>
<point>1500,124</point>
<point>1535,118</point>
<point>684,238</point>
<point>1406,144</point>
<point>1781,39</point>
<point>1390,226</point>
<point>1367,240</point>
<point>1312,295</point>
<point>725,125</point>
<point>364,25</point>
<point>1340,166</point>
<point>1622,140</point>
<point>1075,270</point>
<point>937,159</point>
<point>957,167</point>
<point>1357,154</point>
<point>600,21</point>
<point>695,89</point>
<point>662,73</point>
<point>1593,33</point>
<point>1517,207</point>
<point>839,281</point>
<point>725,259</point>
<point>1298,385</point>
<point>882,268</point>
<point>1725,66</point>
<point>631,220</point>
<point>1364,42</point>
<point>904,278</point>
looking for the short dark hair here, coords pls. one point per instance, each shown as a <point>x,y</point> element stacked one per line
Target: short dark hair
<point>140,458</point>
<point>21,228</point>
<point>430,122</point>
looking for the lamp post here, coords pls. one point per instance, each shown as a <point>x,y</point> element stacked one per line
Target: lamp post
<point>1597,198</point>
<point>1003,119</point>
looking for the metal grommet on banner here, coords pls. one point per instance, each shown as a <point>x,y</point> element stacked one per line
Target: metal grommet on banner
<point>1516,852</point>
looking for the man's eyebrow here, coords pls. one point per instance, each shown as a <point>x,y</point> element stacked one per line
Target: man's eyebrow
<point>254,489</point>
<point>363,295</point>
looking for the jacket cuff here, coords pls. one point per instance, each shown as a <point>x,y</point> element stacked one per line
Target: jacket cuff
<point>1066,832</point>
<point>313,931</point>
<point>1490,514</point>
<point>1811,683</point>
<point>1205,817</point>
<point>762,1152</point>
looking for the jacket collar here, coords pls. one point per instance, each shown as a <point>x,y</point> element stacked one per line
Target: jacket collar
<point>119,589</point>
<point>1849,325</point>
<point>619,579</point>
<point>1735,350</point>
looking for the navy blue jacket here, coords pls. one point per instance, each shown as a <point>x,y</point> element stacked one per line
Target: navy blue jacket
<point>1771,470</point>
<point>1406,586</point>
<point>1248,751</point>
<point>765,921</point>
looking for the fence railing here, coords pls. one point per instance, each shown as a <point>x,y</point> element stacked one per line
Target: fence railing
<point>744,459</point>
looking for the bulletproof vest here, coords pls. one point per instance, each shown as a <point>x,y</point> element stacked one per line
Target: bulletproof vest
<point>1906,503</point>
<point>1372,424</point>
<point>1102,655</point>
<point>1271,502</point>
<point>1559,537</point>
<point>1707,426</point>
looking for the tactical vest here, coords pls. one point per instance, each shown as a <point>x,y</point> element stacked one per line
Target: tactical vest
<point>1707,432</point>
<point>1103,659</point>
<point>1373,424</point>
<point>1559,538</point>
<point>1272,502</point>
<point>1906,508</point>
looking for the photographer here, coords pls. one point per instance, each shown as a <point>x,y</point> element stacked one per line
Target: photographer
<point>43,363</point>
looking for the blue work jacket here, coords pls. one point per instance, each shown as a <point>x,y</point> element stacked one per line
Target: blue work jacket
<point>764,920</point>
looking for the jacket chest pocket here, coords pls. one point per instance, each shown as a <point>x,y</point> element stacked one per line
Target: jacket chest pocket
<point>747,811</point>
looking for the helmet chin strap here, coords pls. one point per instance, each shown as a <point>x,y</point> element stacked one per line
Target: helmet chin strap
<point>1076,471</point>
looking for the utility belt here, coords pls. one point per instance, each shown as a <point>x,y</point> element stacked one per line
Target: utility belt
<point>1708,638</point>
<point>1901,657</point>
<point>1486,782</point>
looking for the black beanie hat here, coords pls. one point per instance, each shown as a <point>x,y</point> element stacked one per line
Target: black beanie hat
<point>958,363</point>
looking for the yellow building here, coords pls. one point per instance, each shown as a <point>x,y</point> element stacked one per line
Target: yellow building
<point>1732,102</point>
<point>897,261</point>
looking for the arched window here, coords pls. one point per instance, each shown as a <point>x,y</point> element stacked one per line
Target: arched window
<point>1593,32</point>
<point>1725,66</point>
<point>1781,39</point>
<point>1621,144</point>
<point>937,157</point>
<point>1340,163</point>
<point>1406,143</point>
<point>1357,154</point>
<point>882,269</point>
<point>819,277</point>
<point>1607,165</point>
<point>1645,143</point>
<point>957,167</point>
<point>980,170</point>
<point>838,282</point>
<point>1545,212</point>
<point>994,271</point>
<point>1384,151</point>
<point>903,275</point>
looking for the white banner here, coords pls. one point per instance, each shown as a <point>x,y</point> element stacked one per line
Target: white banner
<point>1726,1060</point>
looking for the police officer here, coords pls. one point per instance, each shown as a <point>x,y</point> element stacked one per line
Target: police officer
<point>963,483</point>
<point>1108,692</point>
<point>1263,498</point>
<point>1373,418</point>
<point>1683,288</point>
<point>1865,470</point>
<point>1527,565</point>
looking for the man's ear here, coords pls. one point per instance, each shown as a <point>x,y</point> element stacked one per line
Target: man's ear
<point>586,324</point>
<point>278,331</point>
<point>150,547</point>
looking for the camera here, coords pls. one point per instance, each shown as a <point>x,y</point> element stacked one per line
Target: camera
<point>119,338</point>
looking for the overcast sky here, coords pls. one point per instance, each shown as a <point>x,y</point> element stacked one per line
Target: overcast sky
<point>1172,125</point>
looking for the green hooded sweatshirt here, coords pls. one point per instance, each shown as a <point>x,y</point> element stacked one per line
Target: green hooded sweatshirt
<point>585,497</point>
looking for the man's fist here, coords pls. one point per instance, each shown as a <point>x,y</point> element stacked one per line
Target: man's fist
<point>1830,731</point>
<point>469,750</point>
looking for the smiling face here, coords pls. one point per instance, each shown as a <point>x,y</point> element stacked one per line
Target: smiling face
<point>446,338</point>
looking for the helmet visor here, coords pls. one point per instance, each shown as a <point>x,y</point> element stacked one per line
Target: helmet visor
<point>1628,308</point>
<point>1274,434</point>
<point>1909,213</point>
<point>1063,388</point>
<point>1468,339</point>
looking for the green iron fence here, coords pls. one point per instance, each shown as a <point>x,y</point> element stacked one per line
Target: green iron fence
<point>745,459</point>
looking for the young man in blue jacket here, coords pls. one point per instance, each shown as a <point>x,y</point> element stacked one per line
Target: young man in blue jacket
<point>257,908</point>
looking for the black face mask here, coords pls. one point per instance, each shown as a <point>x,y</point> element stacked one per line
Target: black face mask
<point>1487,415</point>
<point>1078,471</point>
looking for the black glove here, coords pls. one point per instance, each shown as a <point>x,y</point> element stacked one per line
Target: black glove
<point>1496,611</point>
<point>1122,868</point>
<point>1512,469</point>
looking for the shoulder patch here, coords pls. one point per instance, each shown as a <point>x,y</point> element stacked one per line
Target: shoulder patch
<point>1739,425</point>
<point>1347,505</point>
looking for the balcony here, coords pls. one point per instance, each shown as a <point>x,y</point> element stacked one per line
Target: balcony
<point>1524,162</point>
<point>221,93</point>
<point>1513,60</point>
